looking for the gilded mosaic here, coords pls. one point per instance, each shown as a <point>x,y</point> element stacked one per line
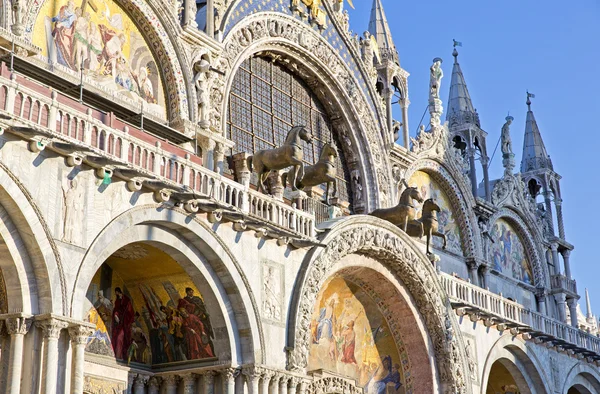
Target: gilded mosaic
<point>508,253</point>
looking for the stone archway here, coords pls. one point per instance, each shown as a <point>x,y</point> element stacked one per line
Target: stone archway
<point>396,252</point>
<point>582,378</point>
<point>203,256</point>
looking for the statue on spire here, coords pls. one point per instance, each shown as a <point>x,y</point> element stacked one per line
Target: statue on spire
<point>435,78</point>
<point>508,157</point>
<point>505,136</point>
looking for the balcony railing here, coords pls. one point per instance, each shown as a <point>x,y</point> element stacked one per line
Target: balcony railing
<point>62,119</point>
<point>562,282</point>
<point>513,314</point>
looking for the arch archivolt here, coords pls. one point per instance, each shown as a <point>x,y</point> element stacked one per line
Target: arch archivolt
<point>520,359</point>
<point>540,270</point>
<point>581,375</point>
<point>204,257</point>
<point>394,250</point>
<point>161,39</point>
<point>34,272</point>
<point>310,56</point>
<point>461,200</point>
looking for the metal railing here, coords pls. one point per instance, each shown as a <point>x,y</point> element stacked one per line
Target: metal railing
<point>461,291</point>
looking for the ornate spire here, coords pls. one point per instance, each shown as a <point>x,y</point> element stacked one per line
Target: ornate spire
<point>460,107</point>
<point>380,30</point>
<point>588,305</point>
<point>535,156</point>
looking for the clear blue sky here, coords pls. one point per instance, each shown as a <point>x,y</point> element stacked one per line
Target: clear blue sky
<point>551,48</point>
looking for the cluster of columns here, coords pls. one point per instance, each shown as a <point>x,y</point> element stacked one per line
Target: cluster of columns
<point>13,330</point>
<point>553,256</point>
<point>251,380</point>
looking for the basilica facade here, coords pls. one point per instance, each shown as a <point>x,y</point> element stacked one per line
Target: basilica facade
<point>223,197</point>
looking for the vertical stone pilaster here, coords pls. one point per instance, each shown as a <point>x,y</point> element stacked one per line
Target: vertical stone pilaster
<point>17,327</point>
<point>52,328</point>
<point>79,335</point>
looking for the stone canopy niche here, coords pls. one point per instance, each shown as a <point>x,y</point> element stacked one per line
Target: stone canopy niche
<point>147,310</point>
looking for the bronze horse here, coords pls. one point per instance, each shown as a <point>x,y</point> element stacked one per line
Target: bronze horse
<point>288,155</point>
<point>322,172</point>
<point>404,213</point>
<point>429,224</point>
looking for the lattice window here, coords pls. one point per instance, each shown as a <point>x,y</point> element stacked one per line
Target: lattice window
<point>266,101</point>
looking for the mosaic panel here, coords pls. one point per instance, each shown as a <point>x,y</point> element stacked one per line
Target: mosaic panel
<point>508,253</point>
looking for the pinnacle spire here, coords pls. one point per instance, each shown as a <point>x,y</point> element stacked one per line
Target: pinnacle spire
<point>588,305</point>
<point>380,30</point>
<point>535,156</point>
<point>460,106</point>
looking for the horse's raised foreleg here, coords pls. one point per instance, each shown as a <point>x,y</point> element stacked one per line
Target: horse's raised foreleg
<point>405,224</point>
<point>429,234</point>
<point>442,236</point>
<point>292,177</point>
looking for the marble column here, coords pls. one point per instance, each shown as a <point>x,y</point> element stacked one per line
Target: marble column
<point>572,303</point>
<point>154,385</point>
<point>5,348</point>
<point>139,384</point>
<point>252,375</point>
<point>547,195</point>
<point>52,329</point>
<point>562,312</point>
<point>486,177</point>
<point>405,131</point>
<point>303,387</point>
<point>209,382</point>
<point>283,385</point>
<point>210,18</point>
<point>275,383</point>
<point>473,274</point>
<point>293,386</point>
<point>555,259</point>
<point>472,171</point>
<point>228,376</point>
<point>170,384</point>
<point>541,299</point>
<point>559,218</point>
<point>17,327</point>
<point>265,382</point>
<point>79,335</point>
<point>566,254</point>
<point>189,383</point>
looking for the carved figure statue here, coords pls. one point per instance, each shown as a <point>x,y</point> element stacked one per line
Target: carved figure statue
<point>323,171</point>
<point>506,140</point>
<point>435,78</point>
<point>73,212</point>
<point>288,155</point>
<point>202,69</point>
<point>429,222</point>
<point>404,213</point>
<point>367,49</point>
<point>357,186</point>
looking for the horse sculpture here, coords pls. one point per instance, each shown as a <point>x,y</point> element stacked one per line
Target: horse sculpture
<point>405,212</point>
<point>323,171</point>
<point>429,224</point>
<point>288,155</point>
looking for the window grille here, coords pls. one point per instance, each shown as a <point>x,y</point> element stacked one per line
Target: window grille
<point>266,101</point>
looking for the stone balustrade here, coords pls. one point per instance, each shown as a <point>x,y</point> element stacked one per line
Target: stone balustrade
<point>57,118</point>
<point>504,313</point>
<point>563,282</point>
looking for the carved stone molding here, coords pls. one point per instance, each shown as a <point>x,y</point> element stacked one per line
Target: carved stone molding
<point>17,325</point>
<point>333,385</point>
<point>394,249</point>
<point>278,32</point>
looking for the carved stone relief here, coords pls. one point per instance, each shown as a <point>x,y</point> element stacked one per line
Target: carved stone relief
<point>272,291</point>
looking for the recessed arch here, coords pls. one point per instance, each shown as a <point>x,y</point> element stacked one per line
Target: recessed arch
<point>583,377</point>
<point>202,254</point>
<point>394,250</point>
<point>313,59</point>
<point>518,357</point>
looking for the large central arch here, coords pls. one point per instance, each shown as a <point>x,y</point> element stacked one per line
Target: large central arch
<point>312,58</point>
<point>392,248</point>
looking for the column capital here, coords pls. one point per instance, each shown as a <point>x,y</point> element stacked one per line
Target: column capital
<point>209,376</point>
<point>566,253</point>
<point>560,298</point>
<point>541,293</point>
<point>17,325</point>
<point>253,372</point>
<point>230,373</point>
<point>80,333</point>
<point>554,247</point>
<point>188,378</point>
<point>154,382</point>
<point>141,379</point>
<point>572,302</point>
<point>171,380</point>
<point>51,327</point>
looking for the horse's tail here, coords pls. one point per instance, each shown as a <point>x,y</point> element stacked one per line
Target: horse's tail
<point>249,162</point>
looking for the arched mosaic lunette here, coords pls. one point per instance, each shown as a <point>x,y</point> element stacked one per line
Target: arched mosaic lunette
<point>389,246</point>
<point>161,42</point>
<point>540,270</point>
<point>462,201</point>
<point>289,37</point>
